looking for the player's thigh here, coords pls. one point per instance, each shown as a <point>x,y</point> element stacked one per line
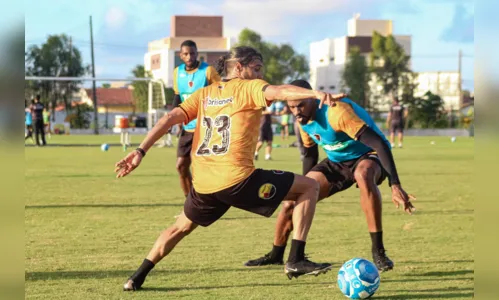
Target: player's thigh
<point>368,170</point>
<point>301,185</point>
<point>324,184</point>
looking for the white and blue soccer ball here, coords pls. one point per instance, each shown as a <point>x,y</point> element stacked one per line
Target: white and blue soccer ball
<point>104,147</point>
<point>358,278</point>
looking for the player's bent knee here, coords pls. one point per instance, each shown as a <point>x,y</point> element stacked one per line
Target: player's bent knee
<point>288,206</point>
<point>364,175</point>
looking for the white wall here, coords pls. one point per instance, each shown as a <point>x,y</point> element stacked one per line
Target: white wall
<point>358,27</point>
<point>165,72</point>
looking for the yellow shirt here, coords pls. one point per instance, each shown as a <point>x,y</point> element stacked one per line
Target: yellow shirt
<point>228,118</point>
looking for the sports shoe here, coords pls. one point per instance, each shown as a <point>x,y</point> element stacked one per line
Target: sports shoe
<point>129,286</point>
<point>305,267</point>
<point>382,262</point>
<point>264,261</point>
<point>256,156</point>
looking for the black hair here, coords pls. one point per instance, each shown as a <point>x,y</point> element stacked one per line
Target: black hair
<point>38,97</point>
<point>188,43</point>
<point>301,83</point>
<point>242,54</point>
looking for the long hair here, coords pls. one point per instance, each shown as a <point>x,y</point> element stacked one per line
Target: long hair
<point>242,54</point>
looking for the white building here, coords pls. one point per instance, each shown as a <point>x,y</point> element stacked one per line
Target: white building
<point>206,31</point>
<point>328,57</point>
<point>444,84</point>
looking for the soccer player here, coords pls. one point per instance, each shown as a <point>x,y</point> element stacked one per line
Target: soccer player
<point>224,175</point>
<point>188,78</point>
<point>28,120</point>
<point>266,135</point>
<point>357,153</point>
<point>284,122</point>
<point>396,122</point>
<point>37,115</point>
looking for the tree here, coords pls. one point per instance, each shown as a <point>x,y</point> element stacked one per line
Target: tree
<point>140,89</point>
<point>106,85</point>
<point>355,77</point>
<point>389,64</point>
<point>57,57</point>
<point>282,63</point>
<point>428,111</point>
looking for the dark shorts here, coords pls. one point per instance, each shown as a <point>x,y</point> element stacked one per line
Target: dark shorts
<point>397,127</point>
<point>185,144</point>
<point>266,134</point>
<point>260,193</point>
<point>341,175</point>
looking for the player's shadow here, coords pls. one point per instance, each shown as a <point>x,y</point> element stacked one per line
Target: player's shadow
<point>438,293</point>
<point>456,261</point>
<point>442,273</point>
<point>215,287</point>
<point>124,274</point>
<point>97,205</point>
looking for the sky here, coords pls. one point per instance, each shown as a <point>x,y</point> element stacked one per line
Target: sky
<point>122,28</point>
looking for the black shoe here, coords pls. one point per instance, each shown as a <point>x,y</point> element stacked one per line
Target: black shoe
<point>306,267</point>
<point>256,156</point>
<point>130,286</point>
<point>265,260</point>
<point>382,262</point>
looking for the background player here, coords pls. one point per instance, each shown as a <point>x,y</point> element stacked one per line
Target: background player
<point>266,134</point>
<point>187,78</point>
<point>349,137</point>
<point>396,122</point>
<point>222,161</point>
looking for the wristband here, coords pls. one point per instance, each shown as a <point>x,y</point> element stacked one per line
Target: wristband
<point>141,151</point>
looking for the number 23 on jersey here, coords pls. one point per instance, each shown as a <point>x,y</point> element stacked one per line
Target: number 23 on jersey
<point>220,124</point>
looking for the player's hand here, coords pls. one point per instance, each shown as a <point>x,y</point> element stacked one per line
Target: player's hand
<point>400,197</point>
<point>329,99</point>
<point>128,164</point>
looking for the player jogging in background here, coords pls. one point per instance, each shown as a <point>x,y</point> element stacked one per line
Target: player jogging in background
<point>357,153</point>
<point>396,122</point>
<point>266,135</point>
<point>188,78</point>
<point>224,175</point>
<point>284,122</point>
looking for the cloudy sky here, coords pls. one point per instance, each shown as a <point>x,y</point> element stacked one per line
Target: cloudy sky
<point>122,28</point>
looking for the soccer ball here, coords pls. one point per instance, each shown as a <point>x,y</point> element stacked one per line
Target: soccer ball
<point>104,147</point>
<point>358,278</point>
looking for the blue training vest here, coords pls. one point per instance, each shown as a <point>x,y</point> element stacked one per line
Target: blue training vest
<point>338,146</point>
<point>189,83</point>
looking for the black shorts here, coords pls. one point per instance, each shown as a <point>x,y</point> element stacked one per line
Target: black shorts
<point>185,144</point>
<point>397,127</point>
<point>341,175</point>
<point>260,193</point>
<point>266,134</point>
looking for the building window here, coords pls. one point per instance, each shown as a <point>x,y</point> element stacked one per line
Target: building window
<point>332,87</point>
<point>321,88</point>
<point>331,59</point>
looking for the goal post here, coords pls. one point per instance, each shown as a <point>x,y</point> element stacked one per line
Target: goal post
<point>143,98</point>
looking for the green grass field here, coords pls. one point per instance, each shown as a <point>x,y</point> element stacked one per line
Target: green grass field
<point>86,232</point>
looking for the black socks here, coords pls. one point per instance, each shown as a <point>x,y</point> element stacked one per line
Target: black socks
<point>140,275</point>
<point>297,251</point>
<point>377,241</point>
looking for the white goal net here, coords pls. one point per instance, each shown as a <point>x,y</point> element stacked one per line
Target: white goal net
<point>71,102</point>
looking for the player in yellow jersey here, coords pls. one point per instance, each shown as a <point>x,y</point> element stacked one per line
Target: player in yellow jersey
<point>228,115</point>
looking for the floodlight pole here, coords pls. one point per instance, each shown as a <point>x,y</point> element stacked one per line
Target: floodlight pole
<point>94,91</point>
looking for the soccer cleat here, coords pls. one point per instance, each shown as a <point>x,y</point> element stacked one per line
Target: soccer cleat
<point>129,286</point>
<point>264,261</point>
<point>382,262</point>
<point>305,267</point>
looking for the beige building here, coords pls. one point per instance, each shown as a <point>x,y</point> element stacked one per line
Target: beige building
<point>163,54</point>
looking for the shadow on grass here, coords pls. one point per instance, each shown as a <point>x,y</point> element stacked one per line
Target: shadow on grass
<point>438,261</point>
<point>439,293</point>
<point>96,205</point>
<point>214,287</point>
<point>443,273</point>
<point>99,274</point>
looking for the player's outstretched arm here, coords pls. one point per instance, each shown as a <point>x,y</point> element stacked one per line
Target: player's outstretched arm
<point>288,92</point>
<point>133,159</point>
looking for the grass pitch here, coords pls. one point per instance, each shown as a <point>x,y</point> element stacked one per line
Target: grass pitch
<point>86,232</point>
